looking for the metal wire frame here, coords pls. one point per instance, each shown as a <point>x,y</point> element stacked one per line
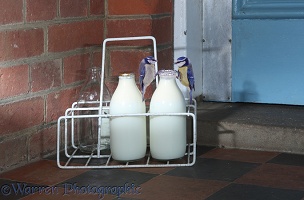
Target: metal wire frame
<point>71,115</point>
<point>71,152</point>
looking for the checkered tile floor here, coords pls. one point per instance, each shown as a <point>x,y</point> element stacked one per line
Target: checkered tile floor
<point>218,174</point>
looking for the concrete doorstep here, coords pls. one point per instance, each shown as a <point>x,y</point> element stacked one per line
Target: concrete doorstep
<point>251,126</point>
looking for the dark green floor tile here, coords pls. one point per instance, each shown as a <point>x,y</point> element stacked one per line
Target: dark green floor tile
<point>252,192</point>
<point>214,169</point>
<point>288,159</point>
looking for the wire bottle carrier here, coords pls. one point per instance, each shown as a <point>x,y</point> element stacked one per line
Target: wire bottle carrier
<point>70,157</point>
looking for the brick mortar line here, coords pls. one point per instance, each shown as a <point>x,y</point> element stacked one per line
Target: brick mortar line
<point>60,55</point>
<point>143,16</point>
<point>58,9</point>
<point>50,56</point>
<point>89,9</point>
<point>24,97</point>
<point>160,47</point>
<point>30,80</point>
<point>43,24</point>
<point>24,11</point>
<point>47,23</point>
<point>161,15</point>
<point>106,13</point>
<point>44,108</point>
<point>27,132</point>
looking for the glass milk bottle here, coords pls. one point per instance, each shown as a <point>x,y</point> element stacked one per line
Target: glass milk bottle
<point>87,128</point>
<point>128,134</point>
<point>167,133</point>
<point>105,122</point>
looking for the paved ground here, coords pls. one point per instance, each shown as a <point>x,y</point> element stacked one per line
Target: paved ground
<point>218,174</point>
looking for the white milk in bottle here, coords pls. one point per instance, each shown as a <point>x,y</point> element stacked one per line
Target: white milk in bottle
<point>167,133</point>
<point>128,134</point>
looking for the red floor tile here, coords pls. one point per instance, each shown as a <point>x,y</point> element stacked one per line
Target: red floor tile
<point>277,176</point>
<point>152,170</point>
<point>44,172</point>
<point>62,194</point>
<point>240,155</point>
<point>170,187</point>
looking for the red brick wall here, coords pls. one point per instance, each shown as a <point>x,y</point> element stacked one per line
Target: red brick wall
<point>46,47</point>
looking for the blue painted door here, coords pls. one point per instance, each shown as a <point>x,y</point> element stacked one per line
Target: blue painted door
<point>268,51</point>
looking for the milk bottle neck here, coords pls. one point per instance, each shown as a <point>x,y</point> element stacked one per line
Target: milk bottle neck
<point>126,79</point>
<point>167,77</point>
<point>127,86</point>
